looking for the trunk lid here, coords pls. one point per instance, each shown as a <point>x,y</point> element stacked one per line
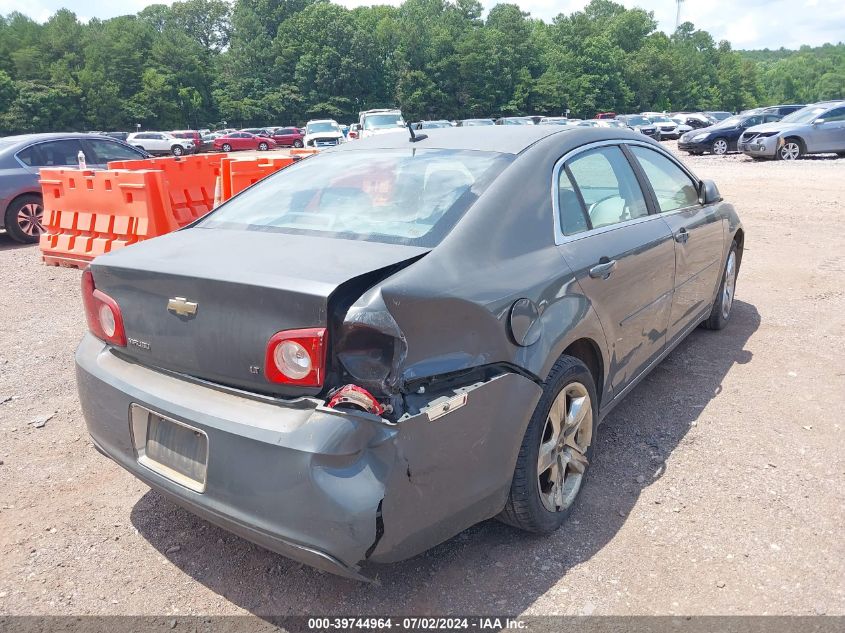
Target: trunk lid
<point>247,285</point>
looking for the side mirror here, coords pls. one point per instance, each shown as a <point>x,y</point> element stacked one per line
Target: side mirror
<point>818,121</point>
<point>708,192</point>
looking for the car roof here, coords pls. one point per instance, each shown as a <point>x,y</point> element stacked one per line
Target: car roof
<point>12,144</point>
<point>511,139</point>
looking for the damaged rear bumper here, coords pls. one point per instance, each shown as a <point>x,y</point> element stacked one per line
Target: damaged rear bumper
<point>329,488</point>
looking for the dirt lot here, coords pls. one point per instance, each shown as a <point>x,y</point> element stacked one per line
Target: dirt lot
<point>719,484</point>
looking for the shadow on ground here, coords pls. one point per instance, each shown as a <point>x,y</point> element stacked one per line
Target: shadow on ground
<point>489,567</point>
<point>8,244</point>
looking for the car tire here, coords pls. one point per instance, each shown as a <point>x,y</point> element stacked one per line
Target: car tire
<point>23,218</point>
<point>719,146</point>
<point>533,504</point>
<point>226,147</point>
<point>177,150</point>
<point>720,314</point>
<point>792,149</point>
<point>263,147</point>
<point>297,144</point>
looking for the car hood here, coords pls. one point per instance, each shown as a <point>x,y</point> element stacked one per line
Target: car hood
<point>386,130</point>
<point>775,126</point>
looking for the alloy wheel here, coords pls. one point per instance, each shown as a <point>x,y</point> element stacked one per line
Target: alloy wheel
<point>720,147</point>
<point>790,151</point>
<point>729,286</point>
<point>562,459</point>
<point>30,217</point>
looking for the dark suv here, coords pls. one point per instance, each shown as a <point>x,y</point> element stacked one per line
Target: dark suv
<point>21,157</point>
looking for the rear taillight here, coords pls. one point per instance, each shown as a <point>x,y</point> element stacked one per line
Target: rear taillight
<point>102,312</point>
<point>297,357</point>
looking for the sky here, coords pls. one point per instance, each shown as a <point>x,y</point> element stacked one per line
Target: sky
<point>744,23</point>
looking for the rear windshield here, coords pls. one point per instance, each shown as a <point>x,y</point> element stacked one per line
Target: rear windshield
<point>407,196</point>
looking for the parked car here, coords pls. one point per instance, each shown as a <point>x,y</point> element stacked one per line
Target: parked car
<point>474,122</point>
<point>718,115</point>
<point>722,137</point>
<point>666,126</point>
<point>428,125</point>
<point>120,136</point>
<point>605,115</point>
<point>207,143</point>
<point>555,120</point>
<point>782,110</point>
<point>815,129</point>
<point>604,123</point>
<point>322,133</point>
<point>380,121</point>
<point>354,131</point>
<point>695,120</point>
<point>21,157</point>
<point>235,141</point>
<point>383,391</point>
<point>193,135</point>
<point>288,137</point>
<point>515,120</point>
<point>160,143</point>
<point>258,131</point>
<point>640,124</point>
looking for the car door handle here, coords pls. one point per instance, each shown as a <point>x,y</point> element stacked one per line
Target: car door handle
<point>682,236</point>
<point>603,269</point>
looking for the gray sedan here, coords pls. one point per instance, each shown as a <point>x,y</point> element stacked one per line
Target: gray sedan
<point>21,157</point>
<point>379,346</point>
<point>815,129</point>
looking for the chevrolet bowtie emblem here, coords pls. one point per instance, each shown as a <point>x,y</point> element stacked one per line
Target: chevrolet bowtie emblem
<point>182,307</point>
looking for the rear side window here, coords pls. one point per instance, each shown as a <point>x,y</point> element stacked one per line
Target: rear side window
<point>608,187</point>
<point>837,114</point>
<point>673,188</point>
<point>52,154</point>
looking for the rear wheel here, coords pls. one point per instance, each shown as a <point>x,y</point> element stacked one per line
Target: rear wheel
<point>719,147</point>
<point>790,150</point>
<point>297,143</point>
<point>263,147</point>
<point>721,312</point>
<point>556,450</point>
<point>227,147</point>
<point>23,219</point>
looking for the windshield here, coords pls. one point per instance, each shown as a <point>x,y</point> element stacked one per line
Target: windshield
<point>403,196</point>
<point>515,121</point>
<point>378,121</point>
<point>804,115</point>
<point>322,126</point>
<point>637,120</point>
<point>660,119</point>
<point>731,121</point>
<point>471,122</point>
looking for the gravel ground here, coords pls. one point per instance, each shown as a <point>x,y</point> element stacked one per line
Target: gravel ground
<point>718,488</point>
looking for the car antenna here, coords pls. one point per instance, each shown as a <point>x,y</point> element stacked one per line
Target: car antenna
<point>415,137</point>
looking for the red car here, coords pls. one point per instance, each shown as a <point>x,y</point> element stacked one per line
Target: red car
<point>243,140</point>
<point>288,137</point>
<point>192,135</point>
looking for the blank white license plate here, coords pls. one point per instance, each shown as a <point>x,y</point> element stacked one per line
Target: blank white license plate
<point>170,448</point>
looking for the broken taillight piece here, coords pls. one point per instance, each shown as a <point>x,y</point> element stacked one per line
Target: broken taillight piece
<point>355,397</point>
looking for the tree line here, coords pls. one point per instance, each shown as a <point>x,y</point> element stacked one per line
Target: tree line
<point>198,63</point>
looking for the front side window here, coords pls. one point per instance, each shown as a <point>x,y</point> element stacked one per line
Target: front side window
<point>673,188</point>
<point>837,114</point>
<point>408,196</point>
<point>105,152</point>
<point>608,187</point>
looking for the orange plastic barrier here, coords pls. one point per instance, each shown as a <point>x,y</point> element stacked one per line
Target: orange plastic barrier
<point>303,153</point>
<point>88,213</point>
<point>189,182</point>
<point>238,174</point>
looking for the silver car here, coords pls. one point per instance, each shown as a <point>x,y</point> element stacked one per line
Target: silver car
<point>816,129</point>
<point>21,158</point>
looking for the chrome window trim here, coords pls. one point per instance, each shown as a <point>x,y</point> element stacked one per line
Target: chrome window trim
<point>561,238</point>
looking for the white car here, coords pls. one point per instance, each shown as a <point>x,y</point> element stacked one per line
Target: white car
<point>322,133</point>
<point>161,143</point>
<point>665,126</point>
<point>381,121</point>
